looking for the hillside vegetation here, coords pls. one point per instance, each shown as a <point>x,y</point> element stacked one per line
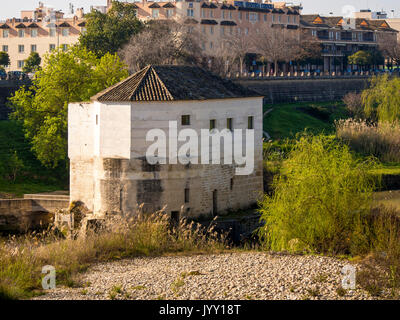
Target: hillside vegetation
<point>20,171</point>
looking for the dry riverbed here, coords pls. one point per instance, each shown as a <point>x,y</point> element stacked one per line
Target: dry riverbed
<point>249,275</point>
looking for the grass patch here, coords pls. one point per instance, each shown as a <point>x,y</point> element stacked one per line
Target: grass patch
<point>286,120</point>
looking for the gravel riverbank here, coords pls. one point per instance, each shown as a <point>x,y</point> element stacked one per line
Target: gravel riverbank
<point>249,275</point>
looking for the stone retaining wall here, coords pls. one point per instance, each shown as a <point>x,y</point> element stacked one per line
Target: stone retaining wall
<point>20,215</point>
<point>304,90</point>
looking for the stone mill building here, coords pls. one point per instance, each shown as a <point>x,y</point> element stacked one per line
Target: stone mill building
<point>107,144</point>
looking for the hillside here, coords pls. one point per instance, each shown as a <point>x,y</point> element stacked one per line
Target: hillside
<point>31,177</point>
<point>285,120</point>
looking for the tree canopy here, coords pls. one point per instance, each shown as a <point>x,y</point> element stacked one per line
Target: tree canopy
<point>4,59</point>
<point>382,99</point>
<point>67,76</point>
<point>109,32</point>
<point>32,63</point>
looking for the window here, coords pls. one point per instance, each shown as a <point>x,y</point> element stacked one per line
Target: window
<point>314,33</point>
<point>34,33</point>
<point>212,124</point>
<point>212,30</point>
<point>190,12</point>
<point>250,122</point>
<point>52,32</point>
<point>21,33</point>
<point>187,193</point>
<point>52,47</point>
<point>294,19</point>
<point>223,14</point>
<point>265,17</point>
<point>203,13</point>
<point>33,48</point>
<point>155,13</point>
<point>253,17</point>
<point>229,124</point>
<point>21,48</point>
<point>288,19</point>
<point>331,35</point>
<point>211,14</point>
<point>21,64</point>
<point>64,47</point>
<point>230,15</point>
<point>5,48</point>
<point>65,32</point>
<point>337,35</point>
<point>222,30</point>
<point>5,33</point>
<point>211,45</point>
<point>280,18</point>
<point>246,31</point>
<point>240,16</point>
<point>247,16</point>
<point>185,120</point>
<point>203,29</point>
<point>170,13</point>
<point>273,18</point>
<point>231,183</point>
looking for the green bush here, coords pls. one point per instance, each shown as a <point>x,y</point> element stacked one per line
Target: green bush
<point>319,196</point>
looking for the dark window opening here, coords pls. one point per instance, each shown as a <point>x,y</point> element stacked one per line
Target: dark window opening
<point>250,123</point>
<point>187,193</point>
<point>231,183</point>
<point>212,124</point>
<point>229,123</point>
<point>186,120</point>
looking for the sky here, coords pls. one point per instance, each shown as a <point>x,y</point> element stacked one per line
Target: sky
<point>14,7</point>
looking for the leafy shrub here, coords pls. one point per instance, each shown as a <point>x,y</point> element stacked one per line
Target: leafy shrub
<point>382,99</point>
<point>320,194</point>
<point>381,140</point>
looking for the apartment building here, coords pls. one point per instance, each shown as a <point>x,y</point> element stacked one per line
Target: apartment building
<point>341,37</point>
<point>40,30</point>
<point>216,19</point>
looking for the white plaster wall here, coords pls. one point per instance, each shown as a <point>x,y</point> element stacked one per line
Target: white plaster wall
<point>151,115</point>
<point>81,122</point>
<point>113,130</point>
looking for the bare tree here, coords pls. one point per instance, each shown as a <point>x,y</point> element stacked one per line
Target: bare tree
<point>276,44</point>
<point>235,46</point>
<point>163,42</point>
<point>389,46</point>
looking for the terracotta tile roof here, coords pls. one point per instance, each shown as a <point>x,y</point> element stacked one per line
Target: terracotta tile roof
<point>171,83</point>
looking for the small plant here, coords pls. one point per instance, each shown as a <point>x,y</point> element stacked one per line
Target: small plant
<point>321,277</point>
<point>341,292</point>
<point>313,292</point>
<point>177,284</point>
<point>139,288</point>
<point>84,292</point>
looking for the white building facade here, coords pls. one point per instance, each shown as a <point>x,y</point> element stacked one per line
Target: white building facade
<point>107,145</point>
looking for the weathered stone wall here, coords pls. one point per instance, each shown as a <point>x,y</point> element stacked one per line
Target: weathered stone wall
<point>125,185</point>
<point>20,215</point>
<point>304,90</point>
